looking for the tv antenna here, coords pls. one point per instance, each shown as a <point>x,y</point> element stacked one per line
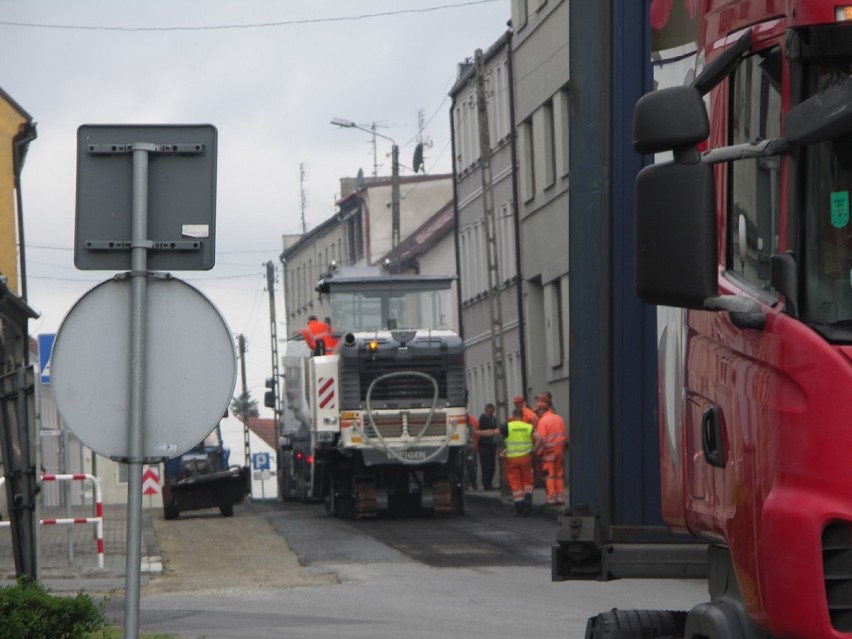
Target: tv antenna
<point>422,142</point>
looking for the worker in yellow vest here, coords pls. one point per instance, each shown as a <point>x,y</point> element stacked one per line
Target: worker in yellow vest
<point>521,442</point>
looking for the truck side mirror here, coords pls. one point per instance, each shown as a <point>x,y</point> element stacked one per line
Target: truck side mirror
<point>676,243</point>
<point>676,237</point>
<point>824,116</point>
<point>671,118</point>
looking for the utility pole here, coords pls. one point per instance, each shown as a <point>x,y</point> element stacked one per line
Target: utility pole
<point>395,224</point>
<point>375,155</point>
<point>395,196</point>
<point>498,361</point>
<point>302,194</point>
<point>273,332</point>
<point>244,406</point>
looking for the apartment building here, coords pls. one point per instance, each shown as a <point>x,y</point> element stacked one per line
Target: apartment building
<point>490,310</point>
<point>358,234</point>
<point>541,106</point>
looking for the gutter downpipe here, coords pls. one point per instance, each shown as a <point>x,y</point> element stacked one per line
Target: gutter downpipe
<point>20,143</point>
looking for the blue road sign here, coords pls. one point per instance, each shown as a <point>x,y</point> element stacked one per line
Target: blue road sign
<point>45,346</point>
<point>260,461</point>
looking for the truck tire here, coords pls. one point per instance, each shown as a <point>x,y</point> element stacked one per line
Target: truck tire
<point>289,491</point>
<point>227,510</point>
<point>636,624</point>
<point>338,505</point>
<point>170,512</point>
<point>459,503</point>
<point>303,489</point>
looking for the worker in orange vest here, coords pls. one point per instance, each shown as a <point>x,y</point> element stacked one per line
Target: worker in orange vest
<point>521,443</point>
<point>547,398</point>
<point>316,331</point>
<point>528,414</point>
<point>331,340</point>
<point>530,417</point>
<point>471,451</point>
<point>554,436</point>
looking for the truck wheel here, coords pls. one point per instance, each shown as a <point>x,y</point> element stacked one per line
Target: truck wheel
<point>227,510</point>
<point>459,503</point>
<point>636,624</point>
<point>170,512</point>
<point>338,505</point>
<point>284,485</point>
<point>303,490</point>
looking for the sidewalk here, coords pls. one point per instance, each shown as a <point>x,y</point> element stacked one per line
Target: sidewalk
<point>61,569</point>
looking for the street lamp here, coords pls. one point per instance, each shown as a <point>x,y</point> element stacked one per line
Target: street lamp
<point>349,124</point>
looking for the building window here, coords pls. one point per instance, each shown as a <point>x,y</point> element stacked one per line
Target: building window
<point>501,107</point>
<point>461,154</point>
<point>355,233</point>
<point>479,257</point>
<point>519,13</point>
<point>472,124</point>
<point>464,248</point>
<point>554,319</point>
<point>547,146</point>
<point>526,168</point>
<point>561,131</point>
<point>506,242</point>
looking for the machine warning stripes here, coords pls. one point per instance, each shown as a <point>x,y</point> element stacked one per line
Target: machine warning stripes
<point>326,392</point>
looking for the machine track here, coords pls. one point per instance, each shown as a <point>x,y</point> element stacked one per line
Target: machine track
<point>442,498</point>
<point>365,500</point>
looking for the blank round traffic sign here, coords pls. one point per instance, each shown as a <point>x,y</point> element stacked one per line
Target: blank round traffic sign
<point>190,368</point>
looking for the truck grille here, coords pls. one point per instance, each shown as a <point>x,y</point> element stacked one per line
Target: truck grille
<point>391,426</point>
<point>402,387</point>
<point>837,568</point>
<point>439,359</point>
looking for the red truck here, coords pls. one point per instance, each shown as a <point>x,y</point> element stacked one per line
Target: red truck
<point>744,241</point>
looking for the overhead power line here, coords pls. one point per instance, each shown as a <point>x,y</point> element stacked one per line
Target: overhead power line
<point>257,25</point>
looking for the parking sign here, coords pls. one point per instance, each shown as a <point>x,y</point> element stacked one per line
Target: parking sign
<point>260,461</point>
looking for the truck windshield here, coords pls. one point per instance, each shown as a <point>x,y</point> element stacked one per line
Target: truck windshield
<point>825,178</point>
<point>394,308</point>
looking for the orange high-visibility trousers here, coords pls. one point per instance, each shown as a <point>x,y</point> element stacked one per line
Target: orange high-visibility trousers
<point>519,476</point>
<point>553,465</point>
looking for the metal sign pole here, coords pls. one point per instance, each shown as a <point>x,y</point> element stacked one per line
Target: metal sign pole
<point>138,298</point>
<point>171,226</point>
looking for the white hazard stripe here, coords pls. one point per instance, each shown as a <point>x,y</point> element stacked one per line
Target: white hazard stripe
<point>326,392</point>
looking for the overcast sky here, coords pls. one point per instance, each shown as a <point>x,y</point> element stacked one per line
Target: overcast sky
<point>270,75</point>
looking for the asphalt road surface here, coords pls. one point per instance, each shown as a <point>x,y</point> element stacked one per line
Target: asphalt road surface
<point>288,570</point>
<point>488,535</point>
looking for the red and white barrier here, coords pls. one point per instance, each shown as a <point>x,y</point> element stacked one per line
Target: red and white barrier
<point>98,519</point>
